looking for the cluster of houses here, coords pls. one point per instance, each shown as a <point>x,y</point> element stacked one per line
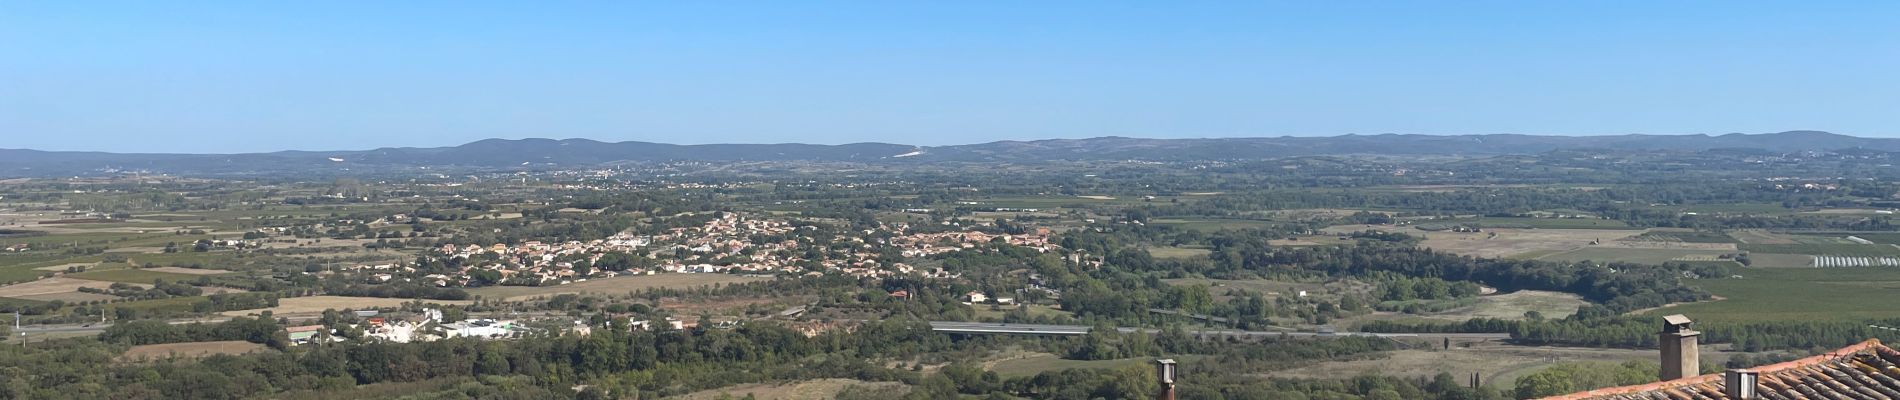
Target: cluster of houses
<point>429,326</point>
<point>424,327</point>
<point>732,243</point>
<point>928,244</point>
<point>532,260</point>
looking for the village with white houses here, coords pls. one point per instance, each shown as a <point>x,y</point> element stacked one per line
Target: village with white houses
<point>731,243</point>
<point>430,324</point>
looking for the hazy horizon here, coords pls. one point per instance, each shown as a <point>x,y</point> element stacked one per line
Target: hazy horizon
<point>937,145</point>
<point>213,77</point>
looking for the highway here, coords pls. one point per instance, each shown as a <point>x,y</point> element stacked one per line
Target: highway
<point>986,328</point>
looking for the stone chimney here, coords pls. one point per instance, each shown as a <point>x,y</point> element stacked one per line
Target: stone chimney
<point>1739,384</point>
<point>1679,356</point>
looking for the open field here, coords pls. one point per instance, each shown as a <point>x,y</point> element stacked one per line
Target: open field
<point>1650,244</point>
<point>1513,305</point>
<point>1767,260</point>
<point>63,267</point>
<point>1798,294</point>
<point>1499,365</point>
<point>1629,255</point>
<point>54,286</point>
<point>1822,239</point>
<point>1856,250</point>
<point>1531,223</point>
<point>188,350</point>
<point>1881,238</point>
<point>1507,242</point>
<point>1177,252</point>
<point>1756,236</point>
<point>818,389</point>
<point>614,285</point>
<point>133,275</point>
<point>1848,211</point>
<point>188,271</point>
<point>1509,306</point>
<point>1684,236</point>
<point>317,304</point>
<point>69,297</point>
<point>170,304</point>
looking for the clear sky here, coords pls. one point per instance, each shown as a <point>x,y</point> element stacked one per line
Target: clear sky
<point>179,76</point>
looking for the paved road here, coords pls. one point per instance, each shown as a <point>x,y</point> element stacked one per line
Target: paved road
<point>984,328</point>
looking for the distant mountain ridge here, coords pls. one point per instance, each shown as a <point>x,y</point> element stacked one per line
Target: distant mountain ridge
<point>500,153</point>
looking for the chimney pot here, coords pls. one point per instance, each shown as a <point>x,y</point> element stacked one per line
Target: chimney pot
<point>1164,371</point>
<point>1740,384</point>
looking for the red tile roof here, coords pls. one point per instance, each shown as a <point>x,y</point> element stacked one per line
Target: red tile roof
<point>1868,370</point>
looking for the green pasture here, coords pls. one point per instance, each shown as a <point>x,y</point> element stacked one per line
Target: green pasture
<point>1854,250</point>
<point>1797,294</point>
<point>133,276</point>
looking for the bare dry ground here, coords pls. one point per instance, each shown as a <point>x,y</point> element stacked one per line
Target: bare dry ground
<point>188,350</point>
<point>614,285</point>
<point>52,286</point>
<point>1511,242</point>
<point>801,390</point>
<point>63,267</point>
<point>316,304</point>
<point>188,271</point>
<point>68,297</point>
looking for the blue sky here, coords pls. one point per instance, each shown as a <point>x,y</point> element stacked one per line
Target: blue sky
<point>249,76</point>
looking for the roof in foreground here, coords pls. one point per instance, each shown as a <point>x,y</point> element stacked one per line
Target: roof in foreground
<point>1869,370</point>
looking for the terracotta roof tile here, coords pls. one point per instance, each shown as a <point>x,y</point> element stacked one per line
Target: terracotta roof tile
<point>1869,370</point>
